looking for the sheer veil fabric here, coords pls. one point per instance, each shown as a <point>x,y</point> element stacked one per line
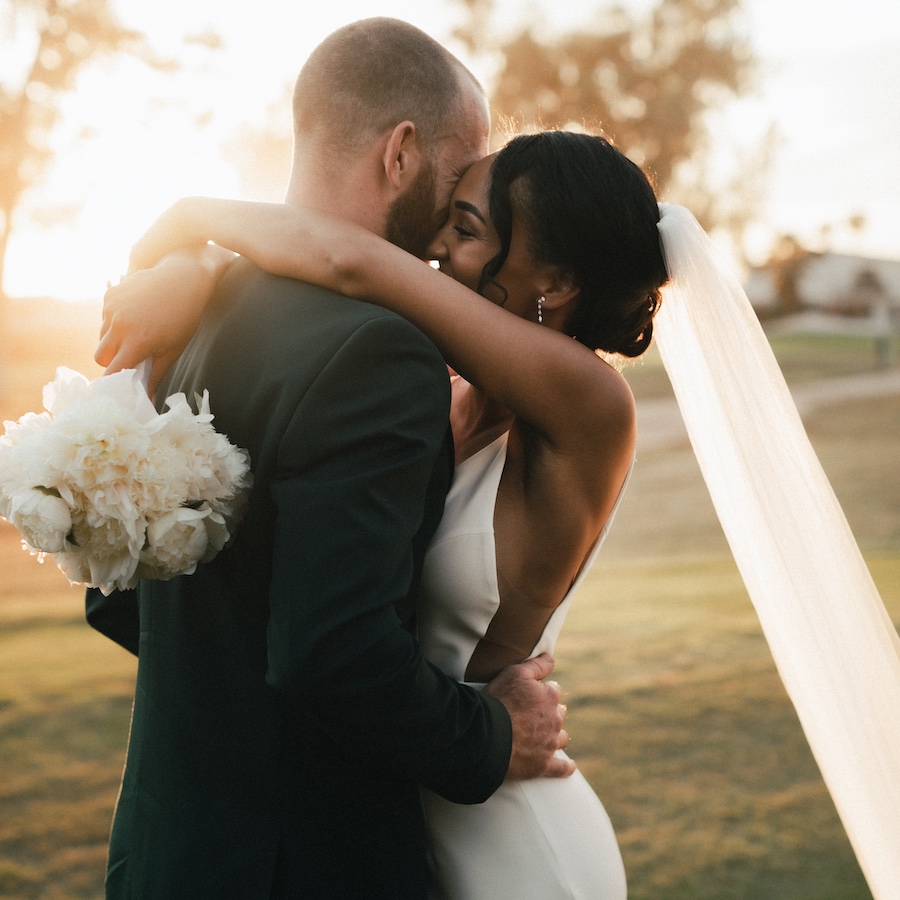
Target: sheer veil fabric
<point>833,643</point>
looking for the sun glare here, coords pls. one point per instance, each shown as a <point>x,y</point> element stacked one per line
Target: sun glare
<point>108,182</point>
<point>132,140</point>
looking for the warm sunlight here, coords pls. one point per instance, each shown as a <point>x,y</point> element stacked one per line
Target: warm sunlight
<point>132,140</point>
<point>291,524</point>
<point>109,186</point>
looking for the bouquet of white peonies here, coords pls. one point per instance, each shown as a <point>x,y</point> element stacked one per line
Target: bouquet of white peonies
<point>116,490</point>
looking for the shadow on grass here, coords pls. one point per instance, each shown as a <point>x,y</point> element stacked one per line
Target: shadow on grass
<point>65,703</point>
<point>713,791</point>
<point>681,723</point>
<point>678,718</point>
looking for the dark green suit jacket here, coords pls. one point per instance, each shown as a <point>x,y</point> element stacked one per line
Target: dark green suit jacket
<point>284,716</point>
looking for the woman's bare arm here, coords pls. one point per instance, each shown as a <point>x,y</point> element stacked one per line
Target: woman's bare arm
<point>556,385</point>
<point>574,435</point>
<point>154,312</point>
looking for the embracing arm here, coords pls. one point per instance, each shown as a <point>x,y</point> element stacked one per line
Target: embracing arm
<point>348,504</point>
<point>117,616</point>
<point>525,368</point>
<point>177,288</point>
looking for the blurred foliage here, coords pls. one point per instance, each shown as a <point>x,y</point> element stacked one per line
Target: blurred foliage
<point>63,35</point>
<point>648,79</point>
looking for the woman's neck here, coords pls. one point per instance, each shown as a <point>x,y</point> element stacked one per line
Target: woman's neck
<point>475,419</point>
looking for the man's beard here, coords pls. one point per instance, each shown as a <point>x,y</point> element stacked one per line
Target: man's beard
<point>411,218</point>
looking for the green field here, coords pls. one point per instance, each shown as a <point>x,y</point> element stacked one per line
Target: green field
<point>677,714</point>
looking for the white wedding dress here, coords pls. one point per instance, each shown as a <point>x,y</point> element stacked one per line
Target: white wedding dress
<point>546,839</point>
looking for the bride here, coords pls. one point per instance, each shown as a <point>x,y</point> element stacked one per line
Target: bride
<point>553,238</point>
<point>554,248</point>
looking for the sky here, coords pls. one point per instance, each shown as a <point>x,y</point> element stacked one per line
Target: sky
<point>131,141</point>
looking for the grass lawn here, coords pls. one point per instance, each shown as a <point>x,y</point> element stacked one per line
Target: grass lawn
<point>681,723</point>
<point>677,714</point>
<point>678,719</point>
<point>65,699</point>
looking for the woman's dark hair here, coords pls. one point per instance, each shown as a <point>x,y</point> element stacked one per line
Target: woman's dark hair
<point>592,212</point>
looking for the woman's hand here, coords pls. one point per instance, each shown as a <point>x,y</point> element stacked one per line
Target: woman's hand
<point>153,313</point>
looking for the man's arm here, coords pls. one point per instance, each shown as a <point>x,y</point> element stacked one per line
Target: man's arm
<point>117,616</point>
<point>353,472</point>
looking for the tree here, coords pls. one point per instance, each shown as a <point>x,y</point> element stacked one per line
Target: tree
<point>65,34</point>
<point>788,260</point>
<point>646,81</point>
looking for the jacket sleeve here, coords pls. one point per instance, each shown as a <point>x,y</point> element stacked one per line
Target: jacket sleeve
<point>352,477</point>
<point>116,616</point>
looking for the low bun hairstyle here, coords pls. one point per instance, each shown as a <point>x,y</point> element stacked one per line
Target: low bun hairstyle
<point>591,212</point>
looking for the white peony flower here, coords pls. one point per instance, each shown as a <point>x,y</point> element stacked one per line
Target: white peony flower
<point>43,518</point>
<point>176,541</point>
<point>118,571</point>
<point>217,533</point>
<point>118,491</point>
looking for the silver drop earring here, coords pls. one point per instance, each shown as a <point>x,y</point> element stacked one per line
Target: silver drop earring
<point>540,306</point>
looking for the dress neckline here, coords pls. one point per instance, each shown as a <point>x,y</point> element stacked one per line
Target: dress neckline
<point>500,437</point>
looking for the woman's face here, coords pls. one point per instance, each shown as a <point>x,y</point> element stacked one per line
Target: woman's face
<point>468,241</point>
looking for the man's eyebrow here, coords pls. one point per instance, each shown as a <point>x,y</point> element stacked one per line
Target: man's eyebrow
<point>469,207</point>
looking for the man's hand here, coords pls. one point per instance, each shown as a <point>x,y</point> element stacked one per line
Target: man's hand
<point>537,719</point>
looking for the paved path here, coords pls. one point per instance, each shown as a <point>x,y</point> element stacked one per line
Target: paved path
<point>660,425</point>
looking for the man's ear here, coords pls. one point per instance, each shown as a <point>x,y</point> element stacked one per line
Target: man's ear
<point>402,157</point>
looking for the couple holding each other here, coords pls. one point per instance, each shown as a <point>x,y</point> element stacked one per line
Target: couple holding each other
<point>285,717</point>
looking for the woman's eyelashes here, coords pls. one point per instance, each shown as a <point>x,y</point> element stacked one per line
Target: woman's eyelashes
<point>469,227</point>
<point>464,233</point>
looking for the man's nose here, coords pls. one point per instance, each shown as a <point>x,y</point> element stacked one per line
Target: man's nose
<point>437,249</point>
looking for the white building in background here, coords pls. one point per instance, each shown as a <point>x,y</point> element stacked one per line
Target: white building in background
<point>827,282</point>
<point>831,293</point>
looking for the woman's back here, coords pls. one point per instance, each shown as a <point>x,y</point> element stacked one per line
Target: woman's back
<point>546,839</point>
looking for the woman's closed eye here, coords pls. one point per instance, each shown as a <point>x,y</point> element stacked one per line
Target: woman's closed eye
<point>464,233</point>
<point>468,220</point>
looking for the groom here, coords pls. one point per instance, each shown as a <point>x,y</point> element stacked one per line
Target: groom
<point>284,716</point>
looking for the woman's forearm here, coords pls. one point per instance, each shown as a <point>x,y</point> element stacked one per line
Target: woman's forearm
<point>283,240</point>
<point>525,367</point>
<point>153,312</point>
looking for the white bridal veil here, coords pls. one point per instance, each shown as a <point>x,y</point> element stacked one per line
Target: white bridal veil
<point>829,633</point>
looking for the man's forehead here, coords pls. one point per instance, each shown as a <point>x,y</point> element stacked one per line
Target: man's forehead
<point>468,140</point>
<point>472,128</point>
<point>463,148</point>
